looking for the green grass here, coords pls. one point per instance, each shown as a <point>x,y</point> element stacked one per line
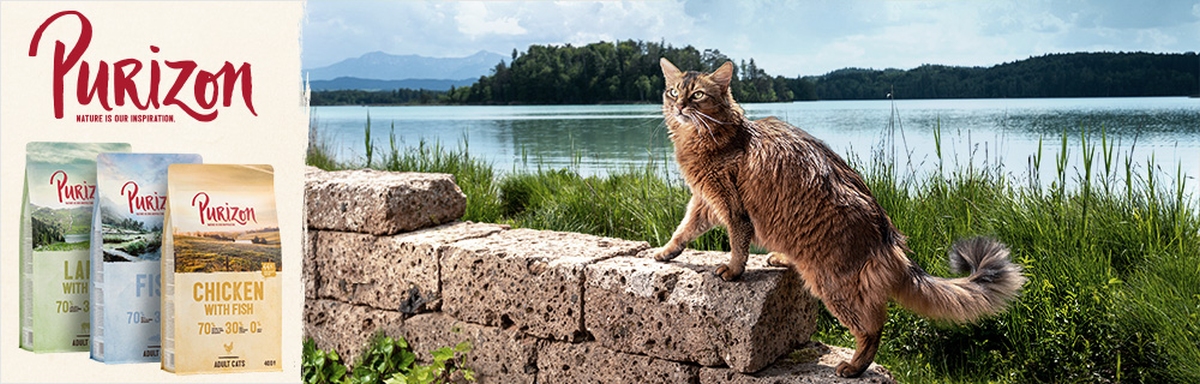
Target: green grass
<point>60,247</point>
<point>320,152</point>
<point>204,254</point>
<point>1114,282</point>
<point>1112,255</point>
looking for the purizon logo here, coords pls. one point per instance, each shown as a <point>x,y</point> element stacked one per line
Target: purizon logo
<point>114,84</point>
<point>221,215</point>
<point>81,193</point>
<point>146,205</point>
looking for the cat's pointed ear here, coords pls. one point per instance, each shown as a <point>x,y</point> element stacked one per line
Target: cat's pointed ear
<point>670,73</point>
<point>724,74</point>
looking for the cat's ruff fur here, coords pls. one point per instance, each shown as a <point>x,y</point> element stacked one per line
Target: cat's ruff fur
<point>774,184</point>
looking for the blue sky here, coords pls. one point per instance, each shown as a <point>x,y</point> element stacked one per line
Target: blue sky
<point>784,37</point>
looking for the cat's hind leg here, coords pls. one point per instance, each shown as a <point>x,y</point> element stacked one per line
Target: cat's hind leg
<point>866,346</point>
<point>864,314</point>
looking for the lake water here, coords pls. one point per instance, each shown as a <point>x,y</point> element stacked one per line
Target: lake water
<point>981,132</point>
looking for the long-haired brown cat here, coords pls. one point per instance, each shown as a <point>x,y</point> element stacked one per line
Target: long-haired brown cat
<point>774,184</point>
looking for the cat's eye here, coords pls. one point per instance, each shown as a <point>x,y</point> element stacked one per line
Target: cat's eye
<point>673,92</point>
<point>698,95</point>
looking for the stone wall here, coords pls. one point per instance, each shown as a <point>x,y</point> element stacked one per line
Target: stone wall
<point>384,251</point>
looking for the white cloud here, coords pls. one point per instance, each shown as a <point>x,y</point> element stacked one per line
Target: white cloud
<point>784,37</point>
<point>334,31</point>
<point>1154,39</point>
<point>474,21</point>
<point>574,21</point>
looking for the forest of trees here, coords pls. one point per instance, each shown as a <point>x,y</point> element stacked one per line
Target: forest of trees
<point>1102,74</point>
<point>623,72</point>
<point>628,72</point>
<point>392,97</point>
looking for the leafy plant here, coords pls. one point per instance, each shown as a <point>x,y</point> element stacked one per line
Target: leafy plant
<point>387,360</point>
<point>449,366</point>
<point>383,357</point>
<point>318,366</point>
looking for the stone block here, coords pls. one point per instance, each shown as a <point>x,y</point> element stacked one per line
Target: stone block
<point>381,203</point>
<point>309,266</point>
<point>567,363</point>
<point>497,355</point>
<point>530,279</point>
<point>680,310</point>
<point>347,328</point>
<point>311,170</point>
<point>813,363</point>
<point>397,272</point>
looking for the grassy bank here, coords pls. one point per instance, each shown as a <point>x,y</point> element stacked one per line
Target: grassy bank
<point>1111,254</point>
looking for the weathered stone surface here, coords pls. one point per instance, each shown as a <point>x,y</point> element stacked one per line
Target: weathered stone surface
<point>680,310</point>
<point>347,328</point>
<point>309,266</point>
<point>516,293</point>
<point>309,171</point>
<point>497,355</point>
<point>590,363</point>
<point>398,272</point>
<point>381,203</point>
<point>815,365</point>
<point>530,279</point>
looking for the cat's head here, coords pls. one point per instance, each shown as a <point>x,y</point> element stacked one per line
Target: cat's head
<point>697,98</point>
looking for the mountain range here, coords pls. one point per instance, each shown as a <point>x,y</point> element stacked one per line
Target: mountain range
<point>354,83</point>
<point>380,70</point>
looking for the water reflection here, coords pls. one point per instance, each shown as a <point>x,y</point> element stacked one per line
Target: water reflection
<point>600,139</point>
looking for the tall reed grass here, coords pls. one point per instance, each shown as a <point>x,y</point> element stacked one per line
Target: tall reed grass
<point>1112,253</point>
<point>1112,261</point>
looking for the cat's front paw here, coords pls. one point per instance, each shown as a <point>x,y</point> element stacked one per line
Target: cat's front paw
<point>729,273</point>
<point>667,253</point>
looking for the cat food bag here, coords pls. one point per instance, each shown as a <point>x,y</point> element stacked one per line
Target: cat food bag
<point>126,254</point>
<point>56,223</point>
<point>221,269</point>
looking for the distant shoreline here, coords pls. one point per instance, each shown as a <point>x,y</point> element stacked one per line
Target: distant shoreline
<point>1197,96</point>
<point>586,75</point>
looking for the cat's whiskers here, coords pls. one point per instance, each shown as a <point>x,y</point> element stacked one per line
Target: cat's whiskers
<point>702,114</point>
<point>703,123</point>
<point>670,131</point>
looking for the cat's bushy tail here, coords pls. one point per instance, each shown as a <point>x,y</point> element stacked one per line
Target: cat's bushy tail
<point>992,283</point>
